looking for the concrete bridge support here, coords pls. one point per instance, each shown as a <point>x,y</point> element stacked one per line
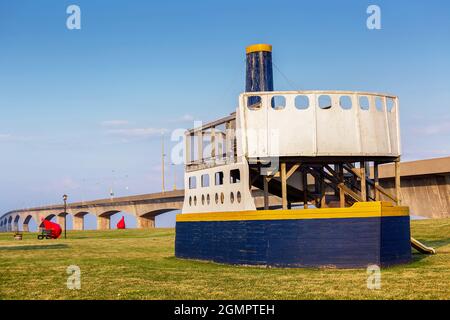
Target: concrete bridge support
<point>144,222</point>
<point>103,222</point>
<point>78,221</point>
<point>60,219</point>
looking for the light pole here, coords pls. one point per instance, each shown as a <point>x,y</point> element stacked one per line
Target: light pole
<point>65,215</point>
<point>162,161</point>
<point>174,176</point>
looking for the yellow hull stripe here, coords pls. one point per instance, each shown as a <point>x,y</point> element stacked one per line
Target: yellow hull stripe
<point>358,210</point>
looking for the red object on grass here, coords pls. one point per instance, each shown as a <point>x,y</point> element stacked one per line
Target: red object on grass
<point>121,223</point>
<point>54,227</point>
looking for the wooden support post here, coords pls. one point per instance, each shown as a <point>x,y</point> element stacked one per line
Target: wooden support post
<point>266,193</point>
<point>341,190</point>
<point>305,189</point>
<point>323,197</point>
<point>376,181</point>
<point>283,185</point>
<point>397,183</point>
<point>362,169</point>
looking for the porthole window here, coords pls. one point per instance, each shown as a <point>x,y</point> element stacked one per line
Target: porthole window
<point>324,102</point>
<point>195,200</point>
<point>345,102</point>
<point>254,102</point>
<point>190,201</point>
<point>231,197</point>
<point>302,102</point>
<point>239,197</point>
<point>390,104</point>
<point>222,198</point>
<point>203,199</point>
<point>208,199</point>
<point>364,103</point>
<point>278,102</point>
<point>379,103</point>
<point>217,198</point>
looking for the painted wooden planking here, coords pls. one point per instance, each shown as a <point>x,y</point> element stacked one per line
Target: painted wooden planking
<point>341,243</point>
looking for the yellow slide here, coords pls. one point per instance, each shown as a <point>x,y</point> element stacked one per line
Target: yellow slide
<point>421,247</point>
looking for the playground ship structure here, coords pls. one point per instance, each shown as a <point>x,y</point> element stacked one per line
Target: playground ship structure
<point>247,174</point>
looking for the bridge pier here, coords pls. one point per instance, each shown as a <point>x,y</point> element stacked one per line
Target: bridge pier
<point>60,219</point>
<point>78,222</point>
<point>103,223</point>
<point>145,222</point>
<point>25,227</point>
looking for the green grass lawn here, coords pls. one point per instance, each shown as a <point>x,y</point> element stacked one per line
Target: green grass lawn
<point>140,264</point>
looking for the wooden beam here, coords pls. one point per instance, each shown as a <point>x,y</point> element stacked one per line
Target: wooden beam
<point>283,185</point>
<point>362,170</point>
<point>305,190</point>
<point>377,187</point>
<point>397,182</point>
<point>276,175</point>
<point>292,170</point>
<point>323,196</point>
<point>387,194</point>
<point>376,181</point>
<point>346,190</point>
<point>341,182</point>
<point>266,193</point>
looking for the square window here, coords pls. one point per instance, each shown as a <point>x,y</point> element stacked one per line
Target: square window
<point>235,176</point>
<point>192,182</point>
<point>324,102</point>
<point>254,102</point>
<point>219,178</point>
<point>364,103</point>
<point>278,102</point>
<point>302,102</point>
<point>205,180</point>
<point>345,102</point>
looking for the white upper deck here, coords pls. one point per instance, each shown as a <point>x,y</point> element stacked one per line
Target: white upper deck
<point>318,123</point>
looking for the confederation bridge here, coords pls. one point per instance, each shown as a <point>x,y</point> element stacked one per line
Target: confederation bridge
<point>425,188</point>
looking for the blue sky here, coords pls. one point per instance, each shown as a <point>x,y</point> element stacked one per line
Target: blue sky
<point>81,110</point>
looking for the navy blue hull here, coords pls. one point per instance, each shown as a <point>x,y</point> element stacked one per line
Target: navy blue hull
<point>341,243</point>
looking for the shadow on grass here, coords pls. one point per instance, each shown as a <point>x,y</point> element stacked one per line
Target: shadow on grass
<point>437,243</point>
<point>35,247</point>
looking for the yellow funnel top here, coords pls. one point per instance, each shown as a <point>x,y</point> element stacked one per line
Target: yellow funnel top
<point>258,48</point>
